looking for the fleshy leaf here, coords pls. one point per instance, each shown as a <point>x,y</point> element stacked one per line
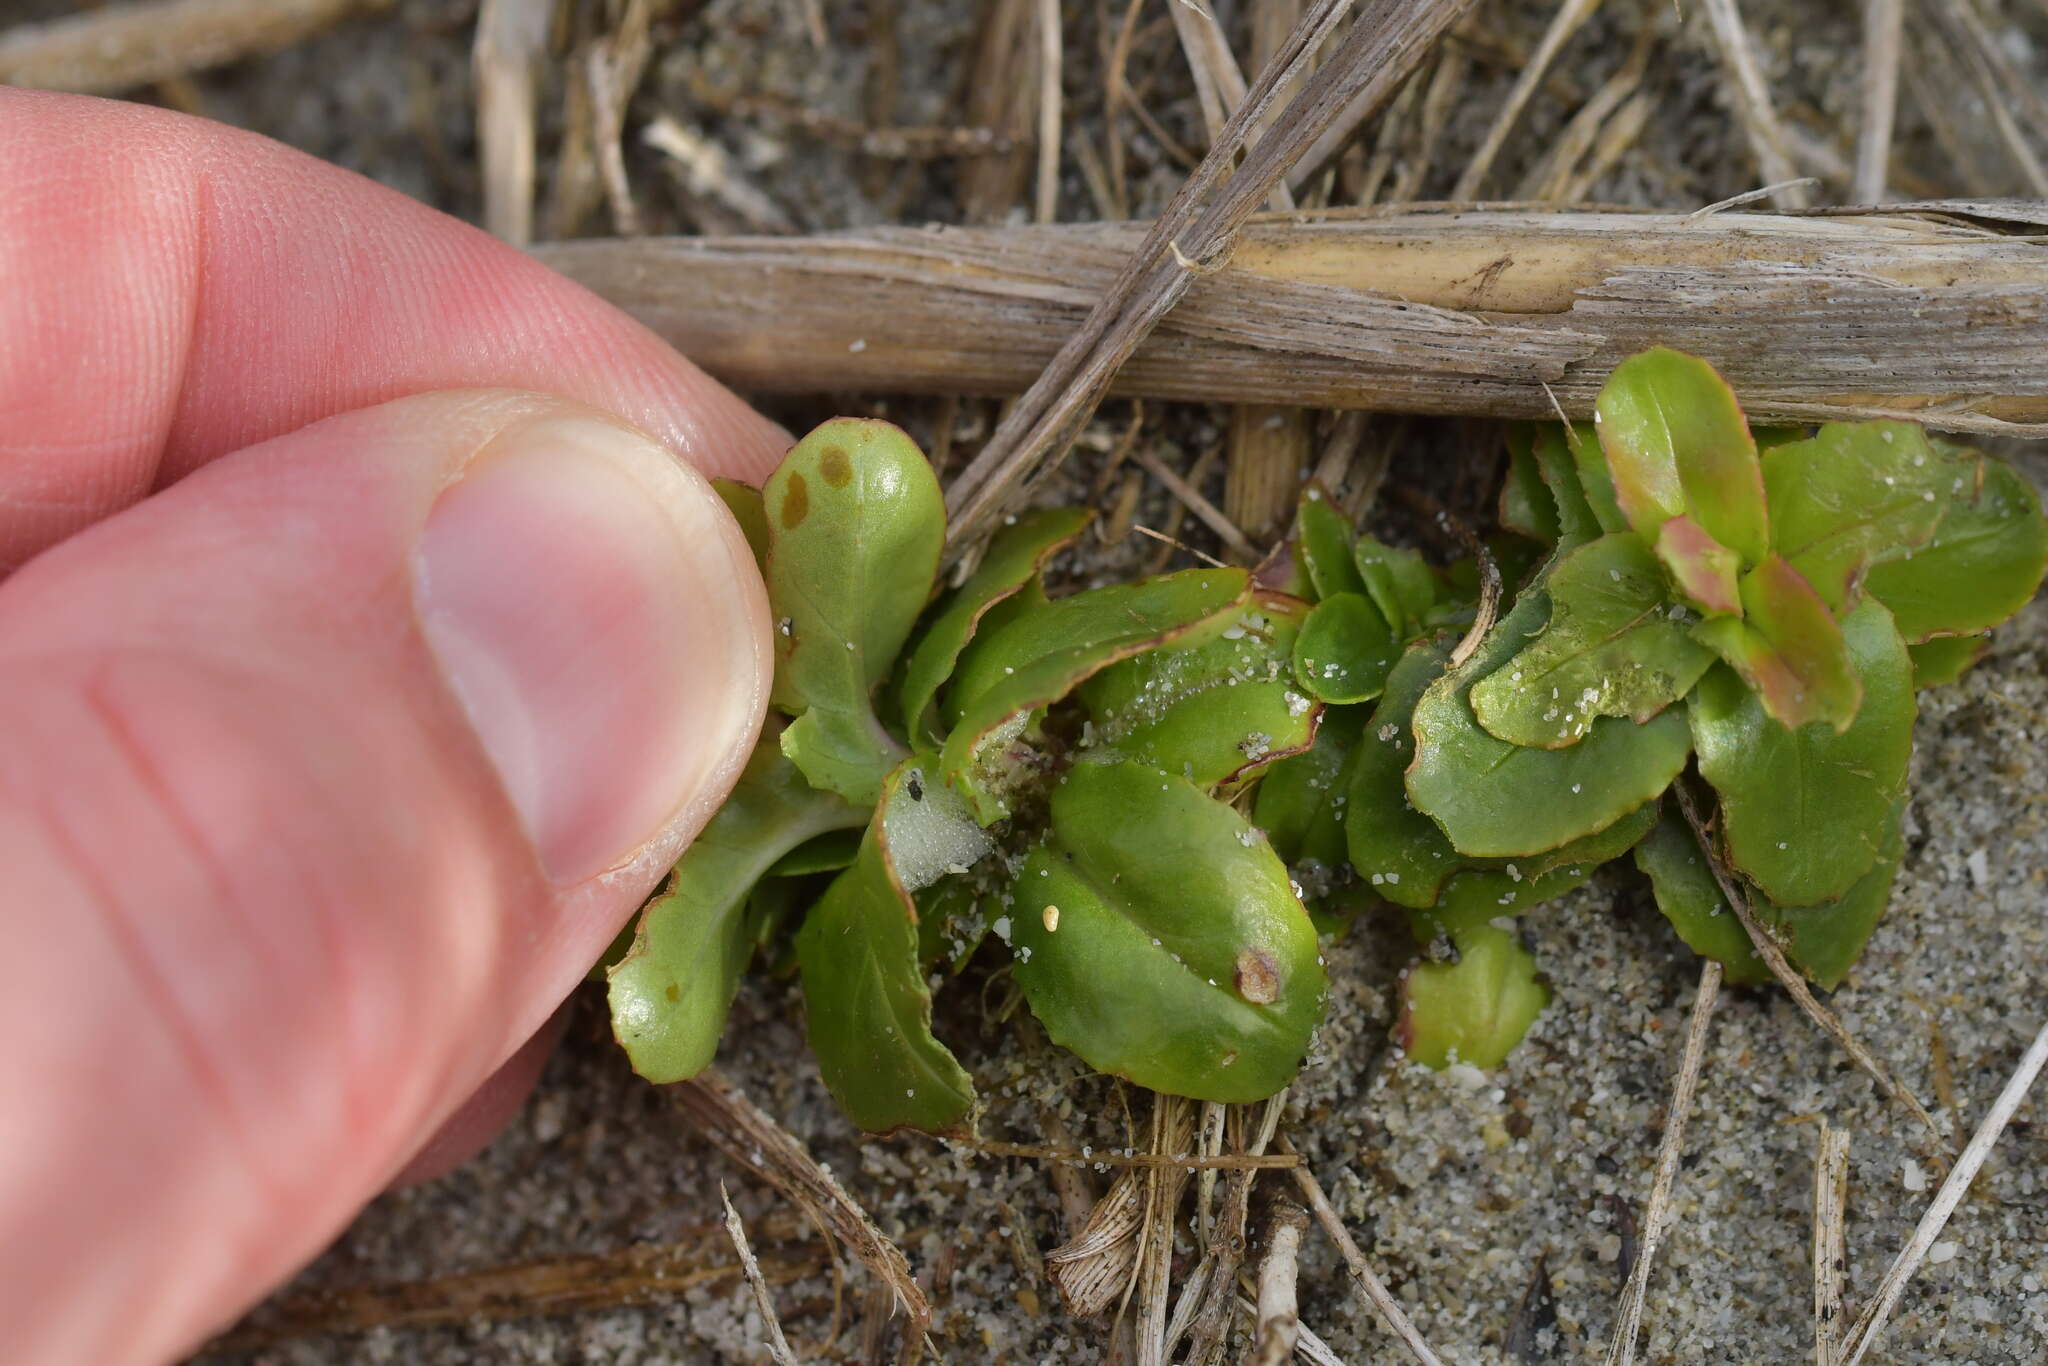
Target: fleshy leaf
<point>1683,885</point>
<point>1214,706</point>
<point>1041,655</point>
<point>1300,801</point>
<point>855,523</point>
<point>1946,658</point>
<point>1612,648</point>
<point>952,922</point>
<point>1853,496</point>
<point>670,993</point>
<point>743,501</point>
<point>1403,855</point>
<point>1013,559</point>
<point>867,1007</point>
<point>1472,1011</point>
<point>1157,937</point>
<point>1323,540</point>
<point>1399,582</point>
<point>1803,812</point>
<point>1487,889</point>
<point>1596,482</point>
<point>1526,505</point>
<point>826,853</point>
<point>1345,649</point>
<point>1984,563</point>
<point>1557,461</point>
<point>1498,800</point>
<point>1788,648</point>
<point>1704,571</point>
<point>1677,444</point>
<point>1824,941</point>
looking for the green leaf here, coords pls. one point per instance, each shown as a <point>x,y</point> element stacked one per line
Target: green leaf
<point>1677,444</point>
<point>1613,647</point>
<point>1399,582</point>
<point>868,1009</point>
<point>1824,941</point>
<point>1345,649</point>
<point>1526,505</point>
<point>1474,1010</point>
<point>670,993</point>
<point>1498,800</point>
<point>1157,937</point>
<point>1682,881</point>
<point>1300,802</point>
<point>1557,461</point>
<point>1404,856</point>
<point>1323,536</point>
<point>1855,495</point>
<point>1788,648</point>
<point>952,922</point>
<point>1946,658</point>
<point>1215,705</point>
<point>1705,572</point>
<point>1041,655</point>
<point>1582,442</point>
<point>1014,558</point>
<point>1484,890</point>
<point>1803,812</point>
<point>827,853</point>
<point>743,501</point>
<point>855,523</point>
<point>1984,563</point>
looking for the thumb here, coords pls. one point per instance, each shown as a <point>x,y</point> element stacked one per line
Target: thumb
<point>327,773</point>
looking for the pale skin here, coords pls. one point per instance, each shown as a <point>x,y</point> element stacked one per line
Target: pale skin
<point>369,644</point>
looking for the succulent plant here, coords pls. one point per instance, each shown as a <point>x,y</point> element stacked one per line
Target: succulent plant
<point>1134,787</point>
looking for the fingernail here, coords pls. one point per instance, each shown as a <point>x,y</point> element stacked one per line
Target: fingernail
<point>596,612</point>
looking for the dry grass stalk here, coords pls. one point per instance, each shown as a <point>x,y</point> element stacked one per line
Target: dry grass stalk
<point>1618,137</point>
<point>1546,181</point>
<point>1753,102</point>
<point>1883,29</point>
<point>642,1274</point>
<point>1570,17</point>
<point>1362,1274</point>
<point>708,175</point>
<point>1092,1271</point>
<point>1193,236</point>
<point>1104,1157</point>
<point>1999,83</point>
<point>1050,51</point>
<point>778,1345</point>
<point>1270,448</point>
<point>1219,84</point>
<point>1471,313</point>
<point>1439,101</point>
<point>748,1136</point>
<point>1279,1316</point>
<point>1205,1311</point>
<point>1205,511</point>
<point>511,41</point>
<point>123,46</point>
<point>1830,1239</point>
<point>1621,1348</point>
<point>1870,1324</point>
<point>1173,1127</point>
<point>1002,95</point>
<point>1070,1182</point>
<point>1789,977</point>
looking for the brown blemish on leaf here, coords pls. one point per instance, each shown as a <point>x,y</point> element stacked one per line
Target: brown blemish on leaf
<point>834,465</point>
<point>796,502</point>
<point>1258,976</point>
<point>675,992</point>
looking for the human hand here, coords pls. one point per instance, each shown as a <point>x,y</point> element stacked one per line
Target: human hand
<point>351,700</point>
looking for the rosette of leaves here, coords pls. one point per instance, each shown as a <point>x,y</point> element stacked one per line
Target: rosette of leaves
<point>1768,612</point>
<point>1059,771</point>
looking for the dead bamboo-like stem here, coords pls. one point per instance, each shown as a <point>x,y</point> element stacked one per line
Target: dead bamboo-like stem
<point>1444,311</point>
<point>1830,1239</point>
<point>123,46</point>
<point>1279,1316</point>
<point>1870,1324</point>
<point>1621,1348</point>
<point>1883,35</point>
<point>511,40</point>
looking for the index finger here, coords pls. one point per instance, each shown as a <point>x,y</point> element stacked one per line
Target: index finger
<point>175,290</point>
